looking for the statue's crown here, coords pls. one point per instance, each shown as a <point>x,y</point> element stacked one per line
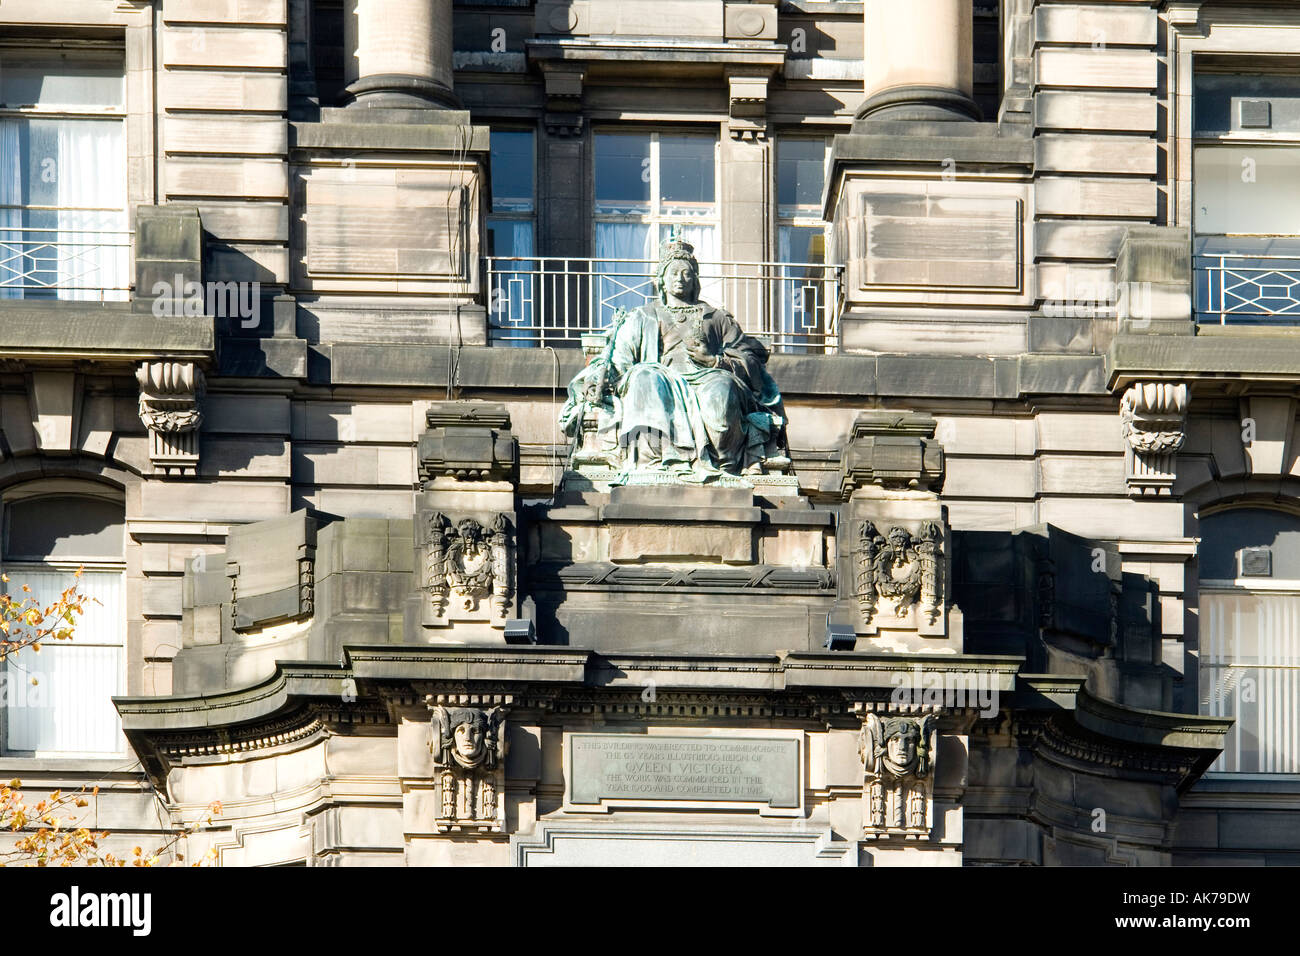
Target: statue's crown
<point>675,247</point>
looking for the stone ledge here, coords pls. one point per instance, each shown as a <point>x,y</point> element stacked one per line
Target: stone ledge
<point>97,331</point>
<point>1251,357</point>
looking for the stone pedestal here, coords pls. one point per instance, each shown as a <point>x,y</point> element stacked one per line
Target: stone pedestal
<point>466,526</point>
<point>894,543</point>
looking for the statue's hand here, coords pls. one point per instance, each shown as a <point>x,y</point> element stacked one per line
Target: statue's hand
<point>703,357</point>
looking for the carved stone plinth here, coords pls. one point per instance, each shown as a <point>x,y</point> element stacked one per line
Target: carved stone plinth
<point>169,408</point>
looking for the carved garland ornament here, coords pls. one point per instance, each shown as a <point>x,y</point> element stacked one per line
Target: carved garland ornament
<point>1153,416</point>
<point>468,562</point>
<point>899,566</point>
<point>898,766</point>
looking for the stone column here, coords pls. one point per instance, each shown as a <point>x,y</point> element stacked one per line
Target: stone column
<point>399,54</point>
<point>918,61</point>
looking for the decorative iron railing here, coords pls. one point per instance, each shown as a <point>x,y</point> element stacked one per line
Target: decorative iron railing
<point>58,263</point>
<point>793,306</point>
<point>1240,288</point>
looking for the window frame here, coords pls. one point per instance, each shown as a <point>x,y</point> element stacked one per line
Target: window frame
<point>73,113</point>
<point>655,218</point>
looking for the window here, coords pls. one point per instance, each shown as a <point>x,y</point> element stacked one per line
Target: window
<point>648,184</point>
<point>1246,196</point>
<point>1250,636</point>
<point>801,240</point>
<point>63,226</point>
<point>46,538</point>
<point>512,235</point>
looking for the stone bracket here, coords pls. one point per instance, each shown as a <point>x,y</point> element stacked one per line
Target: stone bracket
<point>169,407</point>
<point>747,97</point>
<point>1153,419</point>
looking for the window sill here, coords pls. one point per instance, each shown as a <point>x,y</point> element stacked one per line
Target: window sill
<point>1282,783</point>
<point>99,764</point>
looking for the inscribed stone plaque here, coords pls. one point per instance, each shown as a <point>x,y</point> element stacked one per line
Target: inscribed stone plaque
<point>633,768</point>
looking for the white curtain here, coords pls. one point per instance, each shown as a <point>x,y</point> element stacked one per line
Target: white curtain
<point>622,285</point>
<point>11,195</point>
<point>515,285</point>
<point>68,709</point>
<point>93,250</point>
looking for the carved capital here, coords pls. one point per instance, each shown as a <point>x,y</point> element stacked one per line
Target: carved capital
<point>1153,419</point>
<point>169,408</point>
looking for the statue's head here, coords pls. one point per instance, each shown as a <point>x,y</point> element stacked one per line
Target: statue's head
<point>679,272</point>
<point>470,530</point>
<point>902,744</point>
<point>470,736</point>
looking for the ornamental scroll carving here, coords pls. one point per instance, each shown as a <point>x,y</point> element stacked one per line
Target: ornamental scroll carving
<point>468,746</point>
<point>898,567</point>
<point>898,775</point>
<point>468,563</point>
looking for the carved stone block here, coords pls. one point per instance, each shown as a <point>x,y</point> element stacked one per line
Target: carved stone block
<point>898,754</point>
<point>468,746</point>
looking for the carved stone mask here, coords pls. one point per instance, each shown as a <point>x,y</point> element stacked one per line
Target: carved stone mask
<point>469,740</point>
<point>902,745</point>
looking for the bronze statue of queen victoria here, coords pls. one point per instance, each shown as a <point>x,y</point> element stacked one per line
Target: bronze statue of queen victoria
<point>680,387</point>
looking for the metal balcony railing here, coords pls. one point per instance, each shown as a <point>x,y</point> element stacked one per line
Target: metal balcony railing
<point>1246,289</point>
<point>793,306</point>
<point>71,263</point>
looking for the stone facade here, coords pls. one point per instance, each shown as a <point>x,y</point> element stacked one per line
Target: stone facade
<point>966,625</point>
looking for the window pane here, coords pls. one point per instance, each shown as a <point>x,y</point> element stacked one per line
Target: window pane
<point>622,173</point>
<point>800,175</point>
<point>511,237</point>
<point>1247,190</point>
<point>63,526</point>
<point>622,285</point>
<point>1250,670</point>
<point>61,79</point>
<point>512,171</point>
<point>686,168</point>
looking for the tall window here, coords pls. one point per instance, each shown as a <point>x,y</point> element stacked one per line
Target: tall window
<point>1250,636</point>
<point>1246,196</point>
<point>512,235</point>
<point>67,710</point>
<point>647,184</point>
<point>801,240</point>
<point>63,226</point>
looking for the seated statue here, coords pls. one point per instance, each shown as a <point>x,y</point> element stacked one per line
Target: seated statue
<point>679,387</point>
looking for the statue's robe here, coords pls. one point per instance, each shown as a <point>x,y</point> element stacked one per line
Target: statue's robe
<point>674,411</point>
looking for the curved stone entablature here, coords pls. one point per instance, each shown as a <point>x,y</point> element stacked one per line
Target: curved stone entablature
<point>677,388</point>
